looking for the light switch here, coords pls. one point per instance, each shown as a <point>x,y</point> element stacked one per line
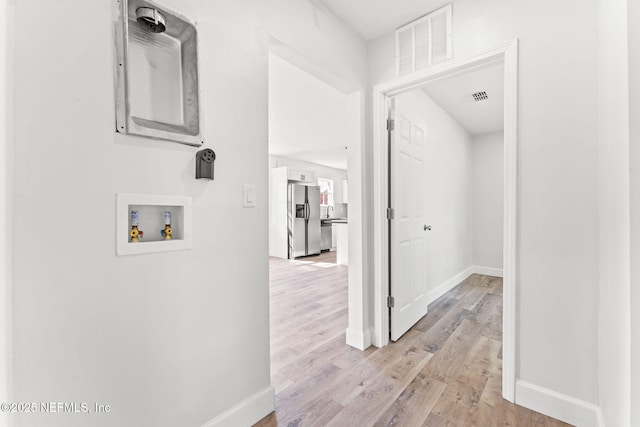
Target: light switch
<point>249,195</point>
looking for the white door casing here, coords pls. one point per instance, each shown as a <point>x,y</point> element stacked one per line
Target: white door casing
<point>506,53</point>
<point>408,227</point>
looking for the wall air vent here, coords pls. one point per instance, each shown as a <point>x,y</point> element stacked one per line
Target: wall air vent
<point>480,96</point>
<point>424,42</point>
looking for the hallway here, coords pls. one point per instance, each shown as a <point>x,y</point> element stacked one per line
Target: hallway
<point>446,371</point>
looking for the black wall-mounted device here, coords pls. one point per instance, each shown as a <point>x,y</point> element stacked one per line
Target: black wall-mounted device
<point>204,163</point>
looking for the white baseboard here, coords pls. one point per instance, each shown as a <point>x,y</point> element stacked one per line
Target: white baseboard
<point>557,405</point>
<point>487,271</point>
<point>248,412</point>
<point>358,339</point>
<point>449,284</point>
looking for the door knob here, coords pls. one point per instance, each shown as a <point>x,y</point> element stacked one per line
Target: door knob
<point>427,227</point>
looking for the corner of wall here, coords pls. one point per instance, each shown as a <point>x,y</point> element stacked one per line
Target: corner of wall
<point>488,271</point>
<point>359,339</point>
<point>633,10</point>
<point>448,284</point>
<point>557,405</point>
<point>6,198</point>
<point>615,261</point>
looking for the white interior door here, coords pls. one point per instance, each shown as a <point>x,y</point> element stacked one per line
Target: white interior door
<point>408,283</point>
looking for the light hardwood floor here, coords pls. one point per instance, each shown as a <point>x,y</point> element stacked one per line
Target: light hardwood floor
<point>446,371</point>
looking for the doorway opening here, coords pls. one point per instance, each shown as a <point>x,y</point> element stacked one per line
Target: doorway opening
<point>383,197</point>
<point>315,123</point>
<point>312,126</point>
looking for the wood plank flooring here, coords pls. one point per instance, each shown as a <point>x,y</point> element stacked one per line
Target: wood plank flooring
<point>445,371</point>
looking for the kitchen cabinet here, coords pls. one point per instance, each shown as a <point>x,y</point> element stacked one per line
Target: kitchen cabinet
<point>300,175</point>
<point>278,227</point>
<point>325,237</point>
<point>334,236</point>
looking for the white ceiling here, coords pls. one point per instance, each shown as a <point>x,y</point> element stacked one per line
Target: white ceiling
<point>374,18</point>
<point>308,119</point>
<point>454,95</point>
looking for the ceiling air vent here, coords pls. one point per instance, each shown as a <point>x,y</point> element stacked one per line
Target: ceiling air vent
<point>480,96</point>
<point>424,42</point>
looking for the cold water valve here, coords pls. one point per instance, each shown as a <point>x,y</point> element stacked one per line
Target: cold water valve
<point>135,234</point>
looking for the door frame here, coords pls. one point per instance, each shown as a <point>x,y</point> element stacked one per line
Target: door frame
<point>358,333</point>
<point>506,54</point>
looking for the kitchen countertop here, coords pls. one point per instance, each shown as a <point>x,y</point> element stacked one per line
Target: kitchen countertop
<point>333,220</point>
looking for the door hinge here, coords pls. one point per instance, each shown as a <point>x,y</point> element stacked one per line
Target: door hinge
<point>391,124</point>
<point>390,213</point>
<point>391,302</point>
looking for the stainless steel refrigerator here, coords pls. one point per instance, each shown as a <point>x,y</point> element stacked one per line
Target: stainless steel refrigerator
<point>304,220</point>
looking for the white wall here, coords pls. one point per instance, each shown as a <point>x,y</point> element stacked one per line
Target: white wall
<point>311,29</point>
<point>150,335</point>
<point>165,339</point>
<point>634,191</point>
<point>447,188</point>
<point>557,283</point>
<point>488,199</point>
<point>6,199</point>
<point>613,198</point>
<point>309,119</point>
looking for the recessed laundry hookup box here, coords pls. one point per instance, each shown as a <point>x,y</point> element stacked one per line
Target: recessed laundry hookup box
<point>152,223</point>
